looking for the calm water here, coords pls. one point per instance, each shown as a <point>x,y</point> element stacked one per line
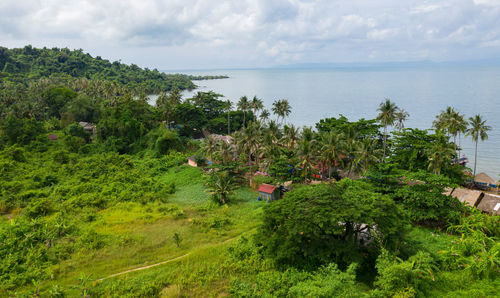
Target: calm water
<point>356,93</point>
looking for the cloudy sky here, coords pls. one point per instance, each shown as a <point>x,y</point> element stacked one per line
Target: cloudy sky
<point>195,34</point>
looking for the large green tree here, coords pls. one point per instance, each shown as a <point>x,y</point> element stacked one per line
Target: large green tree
<point>320,224</point>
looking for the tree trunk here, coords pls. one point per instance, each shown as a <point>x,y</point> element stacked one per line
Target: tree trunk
<point>385,138</point>
<point>475,162</point>
<point>228,124</point>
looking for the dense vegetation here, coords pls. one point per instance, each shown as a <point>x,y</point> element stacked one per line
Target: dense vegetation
<point>29,64</point>
<point>79,207</point>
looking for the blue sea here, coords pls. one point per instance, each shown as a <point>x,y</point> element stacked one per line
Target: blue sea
<point>357,92</point>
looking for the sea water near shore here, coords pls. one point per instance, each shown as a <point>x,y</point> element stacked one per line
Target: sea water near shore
<point>356,93</point>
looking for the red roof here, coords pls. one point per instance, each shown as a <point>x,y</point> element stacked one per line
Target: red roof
<point>267,188</point>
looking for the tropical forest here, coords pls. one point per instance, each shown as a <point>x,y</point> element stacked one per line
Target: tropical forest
<point>113,183</point>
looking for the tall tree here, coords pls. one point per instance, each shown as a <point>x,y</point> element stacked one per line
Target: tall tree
<point>386,117</point>
<point>440,154</point>
<point>228,106</point>
<point>243,105</point>
<point>331,150</point>
<point>477,130</point>
<point>401,116</point>
<point>282,109</point>
<point>256,105</point>
<point>264,115</point>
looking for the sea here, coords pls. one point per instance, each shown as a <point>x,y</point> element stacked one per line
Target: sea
<point>316,93</point>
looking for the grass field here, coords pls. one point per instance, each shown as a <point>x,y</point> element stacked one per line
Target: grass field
<point>137,235</point>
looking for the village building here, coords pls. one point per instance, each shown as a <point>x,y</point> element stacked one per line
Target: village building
<point>269,192</point>
<point>88,127</point>
<point>192,162</point>
<point>484,181</point>
<point>468,196</point>
<point>490,204</point>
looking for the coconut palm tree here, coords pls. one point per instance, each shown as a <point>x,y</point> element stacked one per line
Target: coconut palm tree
<point>306,158</point>
<point>220,186</point>
<point>367,153</point>
<point>440,154</point>
<point>456,125</point>
<point>331,150</point>
<point>256,104</point>
<point>243,105</point>
<point>291,134</point>
<point>477,130</point>
<point>401,116</point>
<point>209,147</point>
<point>282,109</point>
<point>228,106</point>
<point>264,115</point>
<point>386,117</point>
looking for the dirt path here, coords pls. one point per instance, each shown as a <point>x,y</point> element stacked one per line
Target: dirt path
<point>158,264</point>
<point>144,267</point>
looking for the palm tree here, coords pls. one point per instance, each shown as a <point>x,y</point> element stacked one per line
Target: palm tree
<point>220,186</point>
<point>331,150</point>
<point>264,115</point>
<point>256,105</point>
<point>456,125</point>
<point>228,105</point>
<point>225,152</point>
<point>367,154</point>
<point>306,156</point>
<point>282,109</point>
<point>164,106</point>
<point>401,116</point>
<point>386,117</point>
<point>478,130</point>
<point>442,121</point>
<point>440,154</point>
<point>243,105</point>
<point>291,135</point>
<point>209,147</point>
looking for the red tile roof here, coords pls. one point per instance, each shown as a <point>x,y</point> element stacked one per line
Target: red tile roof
<point>267,188</point>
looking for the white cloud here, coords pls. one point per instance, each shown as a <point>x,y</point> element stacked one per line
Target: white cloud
<point>191,33</point>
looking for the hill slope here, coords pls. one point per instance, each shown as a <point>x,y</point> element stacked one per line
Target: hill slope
<point>23,64</point>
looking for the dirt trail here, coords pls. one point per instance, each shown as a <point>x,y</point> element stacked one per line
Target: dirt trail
<point>160,263</point>
<point>144,267</point>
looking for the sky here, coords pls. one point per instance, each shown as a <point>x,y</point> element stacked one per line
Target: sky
<point>207,34</point>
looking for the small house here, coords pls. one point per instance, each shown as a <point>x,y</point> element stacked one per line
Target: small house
<point>88,127</point>
<point>484,181</point>
<point>468,196</point>
<point>490,204</point>
<point>192,162</point>
<point>52,137</point>
<point>269,192</point>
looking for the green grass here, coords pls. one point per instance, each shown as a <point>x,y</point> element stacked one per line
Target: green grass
<point>142,234</point>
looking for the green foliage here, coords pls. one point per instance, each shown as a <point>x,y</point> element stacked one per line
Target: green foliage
<point>364,128</point>
<point>33,63</point>
<point>55,98</point>
<point>76,130</point>
<point>320,224</point>
<point>21,131</point>
<point>220,186</point>
<point>421,194</point>
<point>478,249</point>
<point>400,278</point>
<point>328,281</point>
